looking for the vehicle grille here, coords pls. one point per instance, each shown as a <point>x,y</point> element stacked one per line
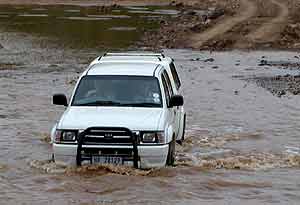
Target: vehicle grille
<point>110,136</point>
<point>126,153</point>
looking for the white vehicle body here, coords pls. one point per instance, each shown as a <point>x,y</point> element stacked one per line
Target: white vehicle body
<point>164,124</point>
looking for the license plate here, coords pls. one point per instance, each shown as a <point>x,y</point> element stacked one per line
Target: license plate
<point>107,160</point>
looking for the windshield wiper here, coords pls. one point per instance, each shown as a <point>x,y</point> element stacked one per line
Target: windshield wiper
<point>99,103</point>
<point>144,104</point>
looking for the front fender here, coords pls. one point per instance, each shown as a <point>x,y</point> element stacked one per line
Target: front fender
<point>52,134</point>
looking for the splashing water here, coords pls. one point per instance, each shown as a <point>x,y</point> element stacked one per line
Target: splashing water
<point>51,167</point>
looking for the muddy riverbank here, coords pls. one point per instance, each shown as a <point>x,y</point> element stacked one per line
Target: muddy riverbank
<point>212,25</point>
<point>231,24</point>
<point>86,2</point>
<point>84,27</point>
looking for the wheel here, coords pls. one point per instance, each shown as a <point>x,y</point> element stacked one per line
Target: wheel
<point>52,158</point>
<point>171,153</point>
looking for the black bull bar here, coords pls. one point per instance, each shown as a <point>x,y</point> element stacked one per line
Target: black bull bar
<point>83,139</point>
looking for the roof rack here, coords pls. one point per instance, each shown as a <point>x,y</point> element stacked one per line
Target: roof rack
<point>136,54</point>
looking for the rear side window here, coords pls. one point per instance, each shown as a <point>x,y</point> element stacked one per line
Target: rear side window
<point>168,83</point>
<point>166,90</point>
<point>175,75</point>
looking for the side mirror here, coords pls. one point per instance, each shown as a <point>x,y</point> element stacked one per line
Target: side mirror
<point>60,99</point>
<point>176,100</point>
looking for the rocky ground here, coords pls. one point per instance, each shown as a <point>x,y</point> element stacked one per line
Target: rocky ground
<point>280,85</point>
<point>177,32</point>
<point>231,24</point>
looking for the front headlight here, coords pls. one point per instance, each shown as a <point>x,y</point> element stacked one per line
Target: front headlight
<point>153,137</point>
<point>66,135</point>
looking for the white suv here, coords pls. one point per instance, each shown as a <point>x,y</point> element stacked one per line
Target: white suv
<point>126,108</point>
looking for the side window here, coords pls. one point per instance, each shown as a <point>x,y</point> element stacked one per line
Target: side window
<point>168,83</point>
<point>166,90</point>
<point>175,75</point>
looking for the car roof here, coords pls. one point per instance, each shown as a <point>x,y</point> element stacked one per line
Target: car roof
<point>136,53</point>
<point>130,63</point>
<point>133,57</point>
<point>154,59</point>
<point>123,68</point>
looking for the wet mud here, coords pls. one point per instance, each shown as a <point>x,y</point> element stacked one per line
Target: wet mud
<point>281,64</point>
<point>230,24</point>
<point>3,168</point>
<point>280,85</point>
<point>46,138</point>
<point>174,32</point>
<point>8,66</point>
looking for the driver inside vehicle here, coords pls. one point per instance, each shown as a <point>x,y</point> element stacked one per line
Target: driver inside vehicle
<point>138,94</point>
<point>151,95</point>
<point>101,91</point>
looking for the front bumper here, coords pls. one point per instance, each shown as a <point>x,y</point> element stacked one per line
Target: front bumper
<point>151,156</point>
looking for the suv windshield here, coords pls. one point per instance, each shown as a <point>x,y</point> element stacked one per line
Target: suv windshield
<point>113,90</point>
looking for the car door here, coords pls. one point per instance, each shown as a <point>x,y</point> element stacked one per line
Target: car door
<point>174,110</point>
<point>176,85</point>
<point>167,92</point>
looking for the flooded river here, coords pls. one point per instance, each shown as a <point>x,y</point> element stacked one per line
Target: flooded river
<point>85,27</point>
<point>242,145</point>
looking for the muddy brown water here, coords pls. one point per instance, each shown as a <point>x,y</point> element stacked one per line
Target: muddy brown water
<point>242,145</point>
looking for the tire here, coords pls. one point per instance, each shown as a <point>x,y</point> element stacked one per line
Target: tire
<point>52,158</point>
<point>171,153</point>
